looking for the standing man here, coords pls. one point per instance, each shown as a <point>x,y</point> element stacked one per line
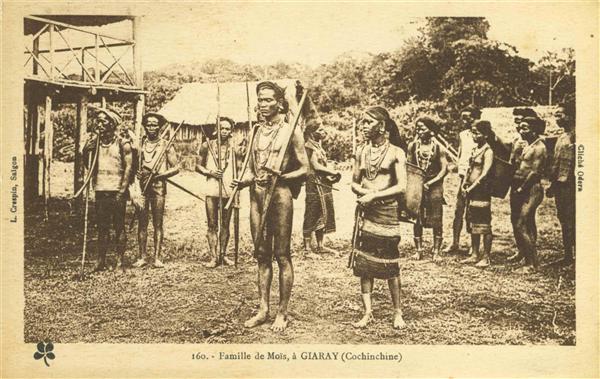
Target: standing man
<point>526,190</point>
<point>562,178</point>
<point>379,180</point>
<point>154,198</point>
<point>427,155</point>
<point>111,178</point>
<point>207,165</point>
<point>269,145</point>
<point>468,116</point>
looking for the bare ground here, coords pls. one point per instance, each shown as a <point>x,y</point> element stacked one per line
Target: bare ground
<point>443,303</point>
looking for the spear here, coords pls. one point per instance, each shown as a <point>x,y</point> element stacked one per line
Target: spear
<point>87,205</point>
<point>248,150</point>
<point>219,166</point>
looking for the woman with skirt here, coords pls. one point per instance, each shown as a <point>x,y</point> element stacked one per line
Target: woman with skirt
<point>427,155</point>
<point>319,214</point>
<point>379,179</point>
<point>478,193</point>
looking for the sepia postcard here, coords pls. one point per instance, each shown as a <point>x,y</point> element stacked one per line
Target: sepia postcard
<point>299,189</point>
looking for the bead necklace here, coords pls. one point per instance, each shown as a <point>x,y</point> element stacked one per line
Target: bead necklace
<point>374,163</point>
<point>261,155</point>
<point>150,150</point>
<point>224,159</point>
<point>424,157</point>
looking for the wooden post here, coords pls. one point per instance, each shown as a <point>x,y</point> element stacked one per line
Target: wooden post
<point>138,113</point>
<point>103,102</point>
<point>79,136</point>
<point>51,48</point>
<point>137,58</point>
<point>32,187</point>
<point>36,53</point>
<point>83,77</point>
<point>37,150</point>
<point>97,63</point>
<point>48,135</point>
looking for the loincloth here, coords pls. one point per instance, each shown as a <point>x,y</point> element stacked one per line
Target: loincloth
<point>432,206</point>
<point>376,249</point>
<point>319,213</point>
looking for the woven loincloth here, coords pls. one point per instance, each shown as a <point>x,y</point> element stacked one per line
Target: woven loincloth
<point>432,206</point>
<point>377,254</point>
<point>319,213</point>
<point>479,210</point>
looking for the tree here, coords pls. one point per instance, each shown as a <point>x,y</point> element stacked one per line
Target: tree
<point>556,73</point>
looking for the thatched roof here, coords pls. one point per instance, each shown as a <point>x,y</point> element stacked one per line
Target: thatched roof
<point>33,26</point>
<point>196,103</point>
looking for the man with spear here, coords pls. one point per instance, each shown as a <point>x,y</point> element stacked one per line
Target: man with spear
<point>229,155</point>
<point>158,162</point>
<point>110,173</point>
<point>278,163</point>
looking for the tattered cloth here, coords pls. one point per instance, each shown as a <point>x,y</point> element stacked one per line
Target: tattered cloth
<point>377,254</point>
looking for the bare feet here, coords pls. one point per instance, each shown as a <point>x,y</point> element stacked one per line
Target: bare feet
<point>280,323</point>
<point>227,262</point>
<point>158,264</point>
<point>437,257</point>
<point>525,270</point>
<point>471,259</point>
<point>483,263</point>
<point>398,320</point>
<point>450,249</point>
<point>515,258</point>
<point>260,318</point>
<point>140,263</point>
<point>364,321</point>
<point>416,256</point>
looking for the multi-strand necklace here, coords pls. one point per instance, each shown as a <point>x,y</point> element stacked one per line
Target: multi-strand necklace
<point>224,159</point>
<point>374,159</point>
<point>424,156</point>
<point>262,153</point>
<point>150,150</point>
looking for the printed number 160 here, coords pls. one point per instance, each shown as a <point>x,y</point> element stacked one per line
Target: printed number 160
<point>199,356</point>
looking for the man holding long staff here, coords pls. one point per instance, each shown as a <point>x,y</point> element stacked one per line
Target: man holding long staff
<point>278,163</point>
<point>228,154</point>
<point>158,162</point>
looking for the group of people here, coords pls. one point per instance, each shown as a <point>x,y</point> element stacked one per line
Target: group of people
<point>279,157</point>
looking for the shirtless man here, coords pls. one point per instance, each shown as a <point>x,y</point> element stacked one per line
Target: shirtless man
<point>206,165</point>
<point>468,116</point>
<point>154,198</point>
<point>268,144</point>
<point>379,179</point>
<point>562,178</point>
<point>526,190</point>
<point>111,178</point>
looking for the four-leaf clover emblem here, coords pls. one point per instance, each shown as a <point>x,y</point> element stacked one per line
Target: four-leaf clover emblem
<point>44,350</point>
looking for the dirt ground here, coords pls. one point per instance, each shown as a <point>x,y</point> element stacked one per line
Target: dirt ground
<point>443,303</point>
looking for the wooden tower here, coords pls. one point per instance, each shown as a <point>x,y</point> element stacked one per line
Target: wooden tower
<point>68,60</point>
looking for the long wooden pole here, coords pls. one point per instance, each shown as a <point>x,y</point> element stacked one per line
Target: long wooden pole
<point>48,136</point>
<point>85,214</point>
<point>248,151</point>
<point>219,166</point>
